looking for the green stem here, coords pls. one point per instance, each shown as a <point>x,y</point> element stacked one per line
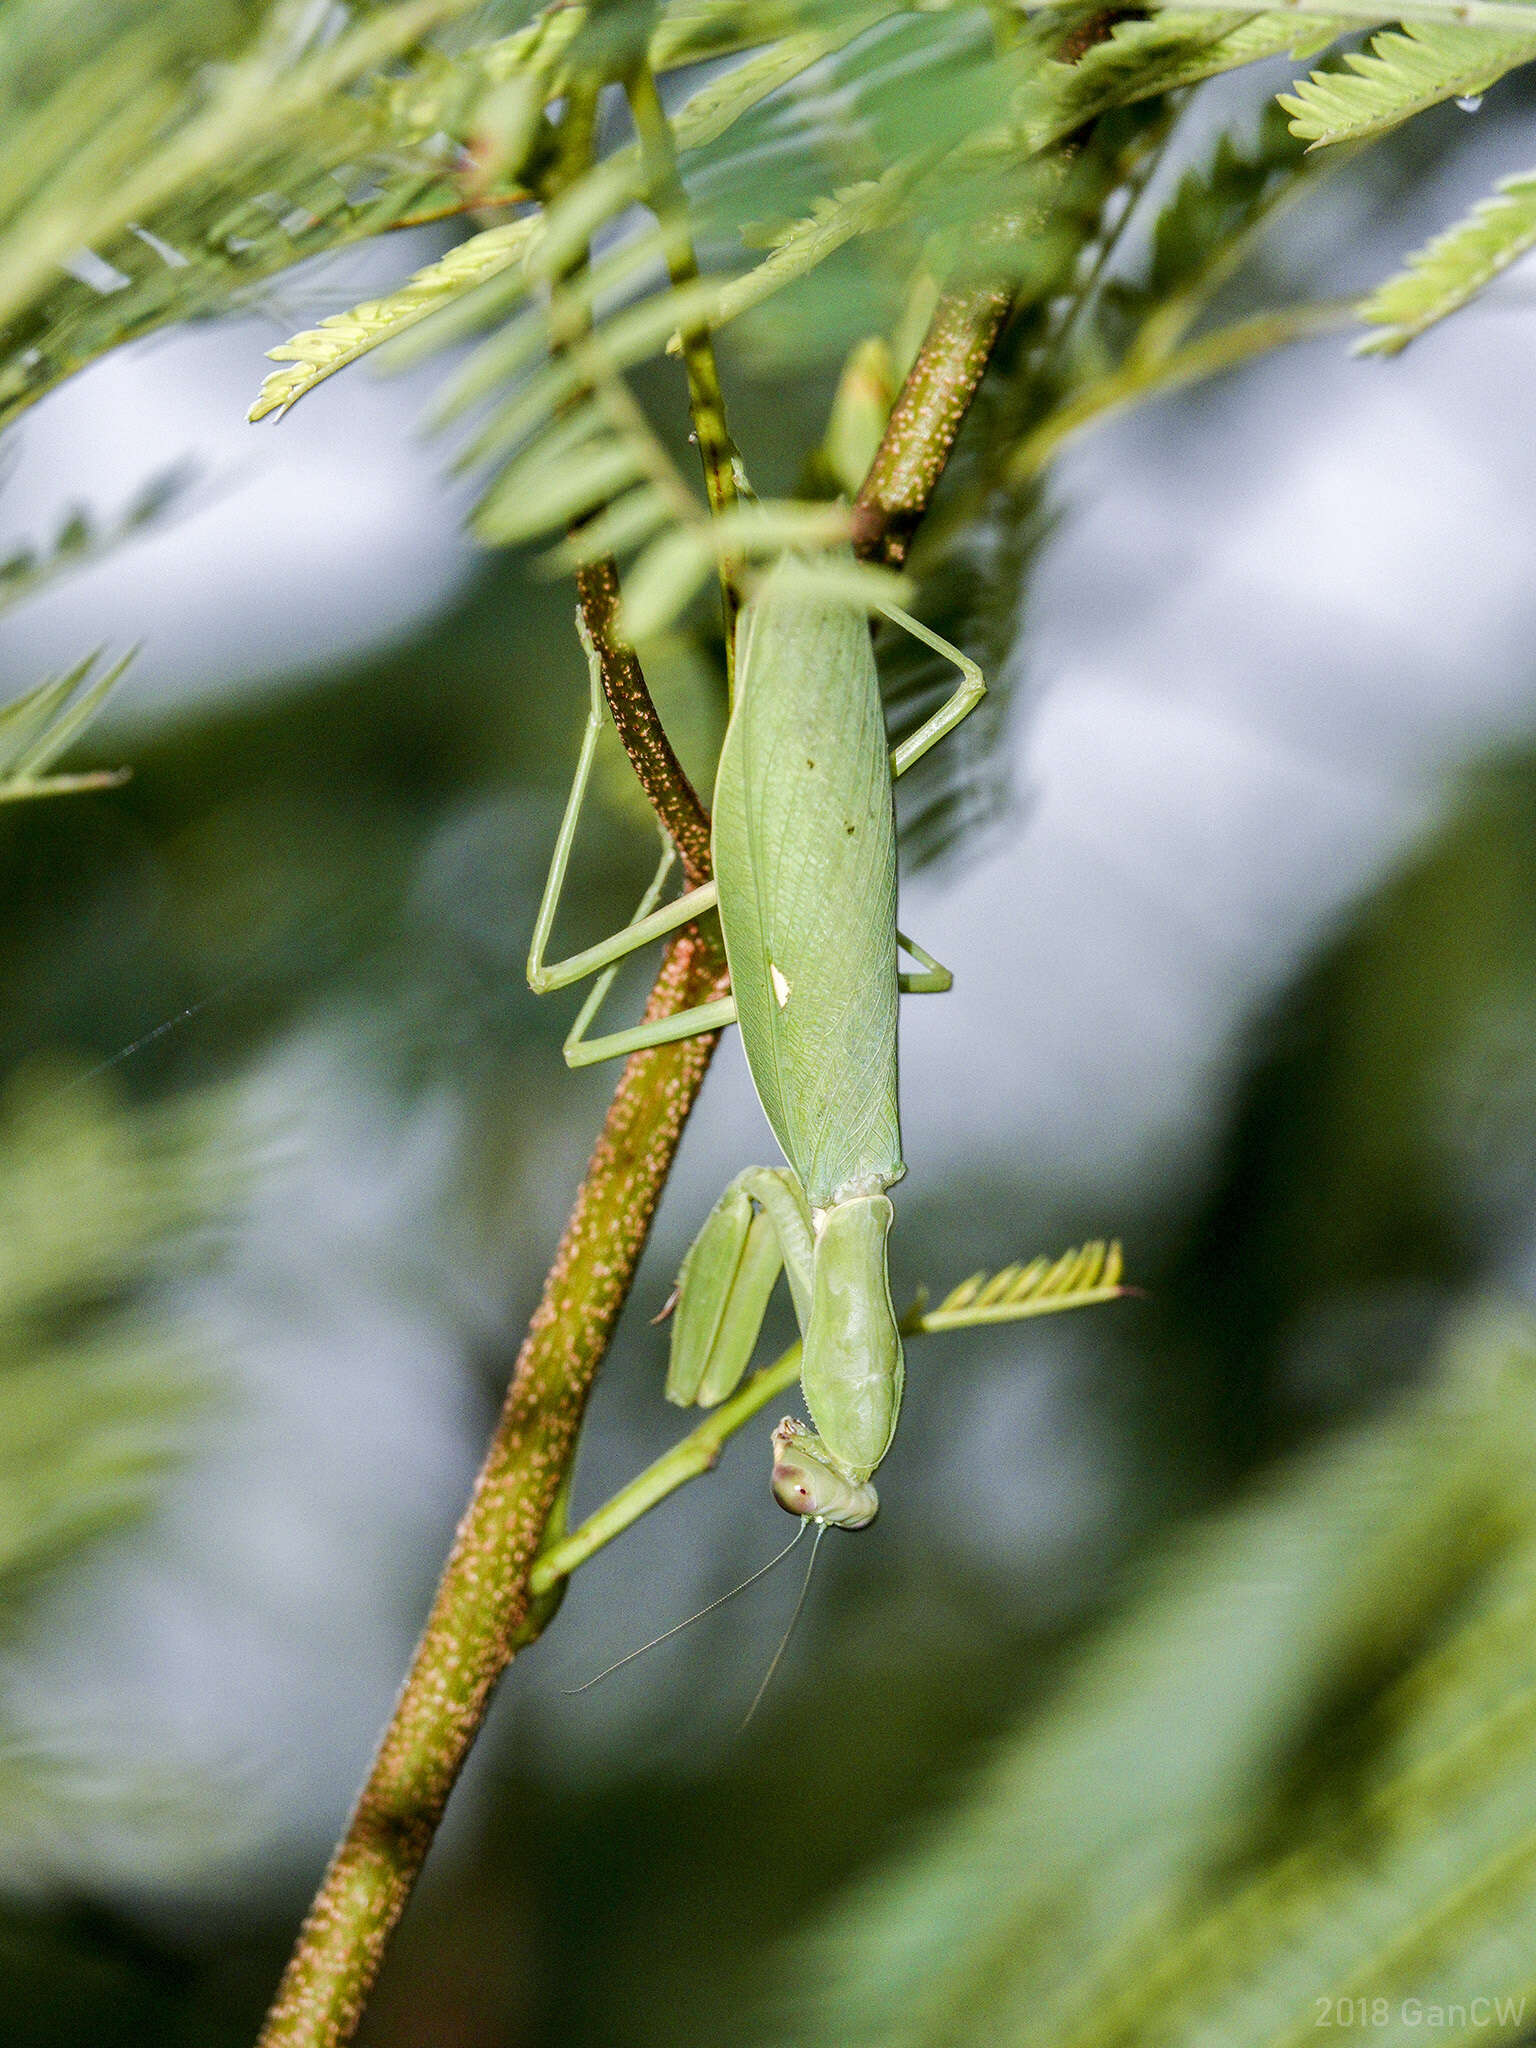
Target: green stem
<point>696,1454</point>
<point>699,1451</point>
<point>706,399</point>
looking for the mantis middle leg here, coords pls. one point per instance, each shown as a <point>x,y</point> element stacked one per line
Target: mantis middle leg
<point>936,978</point>
<point>952,711</point>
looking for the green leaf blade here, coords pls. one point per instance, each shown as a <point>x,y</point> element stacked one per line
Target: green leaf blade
<point>36,727</point>
<point>342,338</point>
<point>1404,72</point>
<point>1454,268</point>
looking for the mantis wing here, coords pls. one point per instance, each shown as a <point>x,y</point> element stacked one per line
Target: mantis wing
<point>805,860</point>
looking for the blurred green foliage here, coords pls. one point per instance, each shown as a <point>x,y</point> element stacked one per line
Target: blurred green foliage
<point>104,1383</point>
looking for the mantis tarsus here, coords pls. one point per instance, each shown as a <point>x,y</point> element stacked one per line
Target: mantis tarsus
<point>804,846</point>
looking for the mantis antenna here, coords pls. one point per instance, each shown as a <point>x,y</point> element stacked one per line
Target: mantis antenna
<point>677,1627</point>
<point>757,1700</point>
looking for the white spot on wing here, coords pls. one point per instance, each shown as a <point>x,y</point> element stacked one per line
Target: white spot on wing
<point>780,984</point>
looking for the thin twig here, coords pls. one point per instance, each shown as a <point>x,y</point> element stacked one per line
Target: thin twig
<point>925,421</point>
<point>633,709</point>
<point>706,399</point>
<point>696,1454</point>
<point>932,404</point>
<point>669,203</point>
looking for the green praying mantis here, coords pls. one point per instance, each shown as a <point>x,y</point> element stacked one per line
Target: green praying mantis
<point>803,838</point>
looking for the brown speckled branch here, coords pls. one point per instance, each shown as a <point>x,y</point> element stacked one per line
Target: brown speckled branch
<point>483,1612</point>
<point>931,405</point>
<point>661,774</point>
<point>925,420</point>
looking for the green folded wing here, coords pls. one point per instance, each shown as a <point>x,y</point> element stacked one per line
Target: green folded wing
<point>805,856</point>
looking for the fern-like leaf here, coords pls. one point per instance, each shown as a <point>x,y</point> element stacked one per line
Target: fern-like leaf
<point>711,110</point>
<point>801,248</point>
<point>82,539</point>
<point>1454,267</point>
<point>1505,15</point>
<point>698,31</point>
<point>1404,72</point>
<point>1078,1279</point>
<point>1175,48</point>
<point>105,1388</point>
<point>141,187</point>
<point>1294,1782</point>
<point>342,338</point>
<point>36,727</point>
<point>560,238</point>
<point>86,1189</point>
<point>245,108</point>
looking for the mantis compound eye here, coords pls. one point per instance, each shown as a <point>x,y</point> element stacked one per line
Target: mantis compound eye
<point>806,1482</point>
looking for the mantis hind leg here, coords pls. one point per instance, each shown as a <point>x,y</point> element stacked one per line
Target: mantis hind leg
<point>648,922</point>
<point>952,711</point>
<point>581,1051</point>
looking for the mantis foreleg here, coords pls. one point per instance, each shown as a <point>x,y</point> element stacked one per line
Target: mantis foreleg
<point>836,1268</point>
<point>759,1226</point>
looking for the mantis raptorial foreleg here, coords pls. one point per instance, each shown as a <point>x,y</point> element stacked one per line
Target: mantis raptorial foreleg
<point>759,1226</point>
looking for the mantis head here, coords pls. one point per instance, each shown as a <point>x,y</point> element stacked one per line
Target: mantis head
<point>807,1481</point>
